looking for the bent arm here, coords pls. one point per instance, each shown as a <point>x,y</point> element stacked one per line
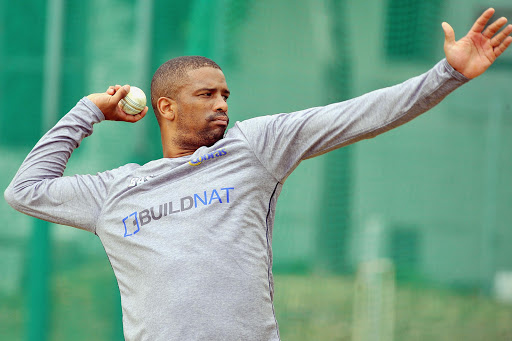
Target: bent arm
<point>38,188</point>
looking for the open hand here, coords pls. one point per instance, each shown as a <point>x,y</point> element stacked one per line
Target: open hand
<point>474,53</point>
<point>108,102</point>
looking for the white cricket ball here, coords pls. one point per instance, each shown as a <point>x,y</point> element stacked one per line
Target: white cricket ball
<point>134,102</point>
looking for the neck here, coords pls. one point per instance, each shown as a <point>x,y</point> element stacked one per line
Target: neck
<point>174,147</point>
<point>170,152</point>
<point>177,145</point>
<point>171,149</point>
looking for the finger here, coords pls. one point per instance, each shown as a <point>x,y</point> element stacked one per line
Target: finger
<point>138,117</point>
<point>480,23</point>
<point>494,27</point>
<point>498,39</point>
<point>113,89</point>
<point>121,93</point>
<point>449,34</point>
<point>142,113</point>
<point>503,46</point>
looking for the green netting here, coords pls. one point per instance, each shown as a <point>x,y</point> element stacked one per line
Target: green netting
<point>405,235</point>
<point>409,27</point>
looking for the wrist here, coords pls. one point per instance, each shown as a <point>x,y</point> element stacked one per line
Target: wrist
<point>93,108</point>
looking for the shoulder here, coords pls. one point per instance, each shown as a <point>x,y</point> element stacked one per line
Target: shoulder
<point>115,174</point>
<point>259,125</point>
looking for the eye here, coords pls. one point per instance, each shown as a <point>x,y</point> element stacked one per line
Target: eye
<point>225,98</point>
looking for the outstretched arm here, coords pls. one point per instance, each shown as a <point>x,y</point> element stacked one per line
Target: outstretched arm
<point>474,53</point>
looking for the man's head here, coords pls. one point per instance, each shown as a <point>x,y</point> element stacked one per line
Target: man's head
<point>188,95</point>
<point>170,76</point>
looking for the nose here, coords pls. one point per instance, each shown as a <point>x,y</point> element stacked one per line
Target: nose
<point>220,104</point>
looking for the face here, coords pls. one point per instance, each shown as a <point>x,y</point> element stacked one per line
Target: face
<point>202,109</point>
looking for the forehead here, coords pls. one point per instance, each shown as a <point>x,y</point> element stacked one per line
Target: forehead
<point>205,77</point>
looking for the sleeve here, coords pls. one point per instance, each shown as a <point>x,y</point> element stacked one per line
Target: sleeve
<point>39,189</point>
<point>282,141</point>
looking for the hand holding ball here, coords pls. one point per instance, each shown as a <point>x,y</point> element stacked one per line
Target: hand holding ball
<point>134,102</point>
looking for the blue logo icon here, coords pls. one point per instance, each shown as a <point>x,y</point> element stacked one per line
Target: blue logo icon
<point>133,225</point>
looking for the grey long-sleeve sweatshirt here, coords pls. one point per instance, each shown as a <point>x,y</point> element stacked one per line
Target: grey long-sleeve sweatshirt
<point>189,238</point>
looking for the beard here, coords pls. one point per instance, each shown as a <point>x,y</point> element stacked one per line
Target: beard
<point>207,136</point>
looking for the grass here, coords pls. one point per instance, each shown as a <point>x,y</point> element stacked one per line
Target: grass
<point>320,308</point>
<point>308,307</point>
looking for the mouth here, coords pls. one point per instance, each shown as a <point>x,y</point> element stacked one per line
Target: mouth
<point>221,120</point>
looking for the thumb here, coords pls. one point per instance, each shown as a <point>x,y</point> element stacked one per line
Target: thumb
<point>121,93</point>
<point>449,34</point>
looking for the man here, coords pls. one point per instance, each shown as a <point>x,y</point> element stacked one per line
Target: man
<point>189,235</point>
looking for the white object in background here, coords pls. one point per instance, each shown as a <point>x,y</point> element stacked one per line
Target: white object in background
<point>372,239</point>
<point>503,286</point>
<point>374,303</point>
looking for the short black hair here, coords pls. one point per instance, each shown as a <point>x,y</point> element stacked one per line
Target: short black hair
<point>169,77</point>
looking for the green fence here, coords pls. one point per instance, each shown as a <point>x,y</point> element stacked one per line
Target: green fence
<point>402,237</point>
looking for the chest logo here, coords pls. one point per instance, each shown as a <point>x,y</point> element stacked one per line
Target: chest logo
<point>212,155</point>
<point>208,198</point>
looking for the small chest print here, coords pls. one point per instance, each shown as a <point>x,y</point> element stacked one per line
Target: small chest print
<point>139,181</point>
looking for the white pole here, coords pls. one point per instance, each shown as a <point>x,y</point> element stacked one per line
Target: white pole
<point>52,64</point>
<point>143,39</point>
<point>374,301</point>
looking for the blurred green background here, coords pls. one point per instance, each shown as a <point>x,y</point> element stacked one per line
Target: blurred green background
<point>432,198</point>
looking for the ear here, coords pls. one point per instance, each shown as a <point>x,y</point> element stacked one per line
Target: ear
<point>167,108</point>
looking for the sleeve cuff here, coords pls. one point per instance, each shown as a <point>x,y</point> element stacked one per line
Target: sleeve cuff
<point>456,74</point>
<point>94,109</point>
